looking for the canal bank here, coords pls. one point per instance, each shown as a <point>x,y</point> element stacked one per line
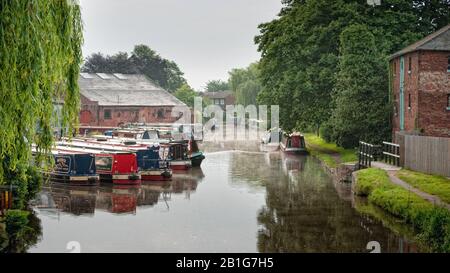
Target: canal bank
<point>421,213</point>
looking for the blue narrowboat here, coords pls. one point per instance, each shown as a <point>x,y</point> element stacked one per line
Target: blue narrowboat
<point>74,168</point>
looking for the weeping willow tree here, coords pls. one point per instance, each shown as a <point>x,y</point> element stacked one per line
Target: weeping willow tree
<point>40,57</point>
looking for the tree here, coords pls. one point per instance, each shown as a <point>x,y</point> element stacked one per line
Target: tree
<point>142,60</point>
<point>245,84</point>
<point>216,86</point>
<point>186,94</point>
<point>362,103</point>
<point>40,57</point>
<point>300,49</point>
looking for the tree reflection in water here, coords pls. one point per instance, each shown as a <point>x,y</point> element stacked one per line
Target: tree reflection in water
<point>23,236</point>
<point>304,213</point>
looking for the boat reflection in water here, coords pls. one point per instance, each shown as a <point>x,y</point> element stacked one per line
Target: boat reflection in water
<point>59,198</point>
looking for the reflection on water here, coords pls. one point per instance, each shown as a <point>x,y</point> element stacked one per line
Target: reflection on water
<point>238,202</point>
<point>116,199</point>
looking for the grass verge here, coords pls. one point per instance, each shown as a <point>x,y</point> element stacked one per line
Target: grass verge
<point>432,223</point>
<point>432,184</point>
<point>324,151</point>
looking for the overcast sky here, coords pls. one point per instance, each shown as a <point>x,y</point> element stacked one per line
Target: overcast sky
<point>206,38</point>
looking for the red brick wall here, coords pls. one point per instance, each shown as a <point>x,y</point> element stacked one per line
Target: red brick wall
<point>91,114</point>
<point>434,86</point>
<point>428,84</point>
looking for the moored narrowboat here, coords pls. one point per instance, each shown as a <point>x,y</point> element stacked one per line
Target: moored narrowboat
<point>177,155</point>
<point>118,167</point>
<point>73,167</point>
<point>293,143</point>
<point>195,154</point>
<point>150,165</point>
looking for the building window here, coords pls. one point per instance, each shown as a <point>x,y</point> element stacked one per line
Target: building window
<point>160,113</point>
<point>409,101</point>
<point>394,70</point>
<point>222,101</point>
<point>107,114</point>
<point>409,65</point>
<point>448,64</point>
<point>217,101</point>
<point>448,101</point>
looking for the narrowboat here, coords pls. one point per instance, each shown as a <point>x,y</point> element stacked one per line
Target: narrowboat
<point>195,154</point>
<point>270,141</point>
<point>118,167</point>
<point>293,143</point>
<point>73,167</point>
<point>177,155</point>
<point>151,167</point>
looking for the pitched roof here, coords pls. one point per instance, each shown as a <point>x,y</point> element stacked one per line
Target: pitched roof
<point>438,41</point>
<point>218,94</point>
<point>124,90</point>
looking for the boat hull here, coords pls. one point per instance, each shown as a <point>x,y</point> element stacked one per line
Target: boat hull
<point>121,179</point>
<point>196,160</point>
<point>156,175</point>
<point>87,180</point>
<point>180,165</point>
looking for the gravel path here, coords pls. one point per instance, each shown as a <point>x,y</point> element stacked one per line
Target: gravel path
<point>429,197</point>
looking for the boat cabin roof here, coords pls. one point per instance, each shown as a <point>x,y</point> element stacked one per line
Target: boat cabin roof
<point>66,148</point>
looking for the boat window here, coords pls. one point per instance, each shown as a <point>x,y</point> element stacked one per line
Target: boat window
<point>103,163</point>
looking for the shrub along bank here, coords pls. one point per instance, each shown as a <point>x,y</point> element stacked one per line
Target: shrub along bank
<point>432,223</point>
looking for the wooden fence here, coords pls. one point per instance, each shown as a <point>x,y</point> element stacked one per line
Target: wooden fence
<point>391,153</point>
<point>425,154</point>
<point>367,153</point>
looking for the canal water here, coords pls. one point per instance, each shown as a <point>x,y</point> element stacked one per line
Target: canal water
<point>239,201</point>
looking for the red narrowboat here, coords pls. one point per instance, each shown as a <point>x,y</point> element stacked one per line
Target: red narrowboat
<point>118,167</point>
<point>293,143</point>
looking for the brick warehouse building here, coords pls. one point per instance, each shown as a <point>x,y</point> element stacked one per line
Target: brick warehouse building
<point>421,86</point>
<point>112,100</point>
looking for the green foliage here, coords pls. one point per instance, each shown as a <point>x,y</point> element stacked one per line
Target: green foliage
<point>432,223</point>
<point>245,84</point>
<point>40,55</point>
<point>432,184</point>
<point>301,61</point>
<point>370,179</point>
<point>19,231</point>
<point>186,94</point>
<point>216,85</point>
<point>27,182</point>
<point>327,132</point>
<point>142,60</point>
<point>329,152</point>
<point>361,99</point>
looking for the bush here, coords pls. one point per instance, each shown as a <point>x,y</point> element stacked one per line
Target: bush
<point>27,182</point>
<point>436,230</point>
<point>326,132</point>
<point>15,220</point>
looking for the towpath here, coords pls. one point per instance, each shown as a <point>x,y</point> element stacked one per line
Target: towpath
<point>392,172</point>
